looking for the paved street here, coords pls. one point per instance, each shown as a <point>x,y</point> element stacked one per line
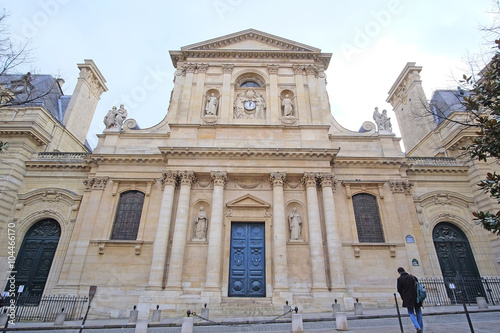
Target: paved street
<point>436,320</point>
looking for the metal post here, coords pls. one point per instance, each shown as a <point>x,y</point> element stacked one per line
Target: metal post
<point>399,314</point>
<point>467,313</point>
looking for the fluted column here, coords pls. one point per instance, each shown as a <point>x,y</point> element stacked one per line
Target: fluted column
<point>315,237</point>
<point>332,232</point>
<point>279,232</point>
<point>162,232</point>
<point>187,178</point>
<point>215,232</point>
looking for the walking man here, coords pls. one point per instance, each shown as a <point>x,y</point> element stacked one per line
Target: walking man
<point>408,292</point>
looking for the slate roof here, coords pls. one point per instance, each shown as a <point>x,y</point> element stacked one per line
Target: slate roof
<point>38,90</point>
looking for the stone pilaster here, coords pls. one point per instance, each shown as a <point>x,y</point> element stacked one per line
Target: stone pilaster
<point>186,92</point>
<point>78,247</point>
<point>274,104</point>
<point>162,232</point>
<point>315,237</point>
<point>302,108</point>
<point>279,232</point>
<point>187,178</point>
<point>332,232</point>
<point>226,107</point>
<point>312,84</point>
<point>199,95</point>
<point>215,232</point>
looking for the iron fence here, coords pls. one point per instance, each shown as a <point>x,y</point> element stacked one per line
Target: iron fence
<point>449,291</point>
<point>45,308</point>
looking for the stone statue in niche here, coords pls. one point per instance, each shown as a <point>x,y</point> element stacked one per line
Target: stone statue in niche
<point>115,117</point>
<point>382,120</point>
<point>200,225</point>
<point>287,105</point>
<point>249,105</point>
<point>212,104</point>
<point>295,225</point>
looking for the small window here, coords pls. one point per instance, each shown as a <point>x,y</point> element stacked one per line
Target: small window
<point>367,218</point>
<point>128,216</point>
<point>250,84</point>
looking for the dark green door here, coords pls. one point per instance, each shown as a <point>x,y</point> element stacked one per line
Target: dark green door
<point>36,255</point>
<point>247,274</point>
<point>457,262</point>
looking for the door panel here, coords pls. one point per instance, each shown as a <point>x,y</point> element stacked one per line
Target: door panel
<point>247,260</point>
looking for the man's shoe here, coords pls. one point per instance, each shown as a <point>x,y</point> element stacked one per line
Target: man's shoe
<point>419,330</point>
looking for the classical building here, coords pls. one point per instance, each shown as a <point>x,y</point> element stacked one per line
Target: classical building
<point>247,195</point>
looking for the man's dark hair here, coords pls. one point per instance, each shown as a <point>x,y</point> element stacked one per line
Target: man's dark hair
<point>401,270</point>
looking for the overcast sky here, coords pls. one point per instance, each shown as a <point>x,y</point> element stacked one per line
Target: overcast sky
<point>371,41</point>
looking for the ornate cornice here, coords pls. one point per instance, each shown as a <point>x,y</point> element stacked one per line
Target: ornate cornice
<point>255,153</point>
<point>320,58</point>
<point>364,162</point>
<point>99,159</point>
<point>25,128</point>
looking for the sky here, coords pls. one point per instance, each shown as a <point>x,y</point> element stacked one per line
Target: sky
<point>370,41</point>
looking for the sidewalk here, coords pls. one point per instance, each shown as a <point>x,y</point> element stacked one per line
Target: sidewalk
<point>437,319</point>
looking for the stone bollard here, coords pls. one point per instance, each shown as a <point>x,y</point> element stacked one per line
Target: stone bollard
<point>156,316</point>
<point>341,321</point>
<point>336,308</point>
<point>187,325</point>
<point>481,303</point>
<point>205,312</point>
<point>358,309</point>
<point>297,324</point>
<point>134,314</point>
<point>286,309</point>
<point>60,318</point>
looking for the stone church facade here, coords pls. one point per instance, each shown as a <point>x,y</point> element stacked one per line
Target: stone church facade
<point>247,195</point>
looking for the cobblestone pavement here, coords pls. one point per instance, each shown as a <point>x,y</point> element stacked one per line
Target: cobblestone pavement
<point>440,323</point>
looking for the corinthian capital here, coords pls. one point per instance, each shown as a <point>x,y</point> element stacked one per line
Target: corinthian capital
<point>169,178</point>
<point>309,179</point>
<point>273,69</point>
<point>219,178</point>
<point>227,68</point>
<point>277,178</point>
<point>187,177</point>
<point>327,180</point>
<point>95,183</point>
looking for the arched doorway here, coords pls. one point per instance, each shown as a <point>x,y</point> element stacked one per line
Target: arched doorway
<point>456,260</point>
<point>35,256</point>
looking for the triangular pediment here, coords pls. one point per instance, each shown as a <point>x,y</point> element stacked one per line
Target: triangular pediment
<point>250,40</point>
<point>248,201</point>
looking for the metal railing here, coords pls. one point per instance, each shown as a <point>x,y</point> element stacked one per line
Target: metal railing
<point>449,291</point>
<point>45,308</point>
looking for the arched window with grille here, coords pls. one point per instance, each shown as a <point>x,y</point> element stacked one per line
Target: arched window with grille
<point>367,217</point>
<point>128,216</point>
